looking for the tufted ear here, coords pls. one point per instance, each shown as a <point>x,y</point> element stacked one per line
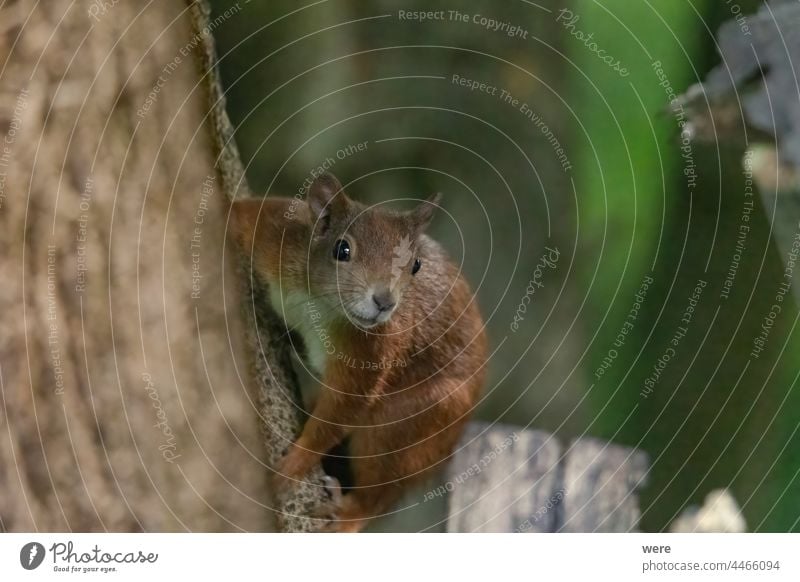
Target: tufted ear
<point>325,197</point>
<point>422,215</point>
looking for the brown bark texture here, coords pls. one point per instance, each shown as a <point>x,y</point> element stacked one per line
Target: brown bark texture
<point>126,400</point>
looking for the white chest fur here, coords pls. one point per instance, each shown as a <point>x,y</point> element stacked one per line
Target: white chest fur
<point>304,315</point>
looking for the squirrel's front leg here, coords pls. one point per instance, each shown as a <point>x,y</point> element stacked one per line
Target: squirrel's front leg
<point>327,426</point>
<point>336,413</point>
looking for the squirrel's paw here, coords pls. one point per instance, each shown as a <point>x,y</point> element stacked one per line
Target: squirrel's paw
<point>327,512</point>
<point>340,517</point>
<point>333,488</point>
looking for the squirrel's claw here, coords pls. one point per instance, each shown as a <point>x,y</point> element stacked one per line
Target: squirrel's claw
<point>328,510</point>
<point>333,488</point>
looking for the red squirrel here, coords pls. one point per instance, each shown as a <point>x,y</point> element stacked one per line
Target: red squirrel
<point>389,325</point>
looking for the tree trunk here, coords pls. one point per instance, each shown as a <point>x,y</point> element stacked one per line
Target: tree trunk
<point>126,404</point>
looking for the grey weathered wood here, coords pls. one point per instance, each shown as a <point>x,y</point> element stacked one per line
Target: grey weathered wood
<point>601,481</point>
<point>757,76</point>
<point>752,97</point>
<point>719,514</point>
<point>514,480</point>
<point>526,481</point>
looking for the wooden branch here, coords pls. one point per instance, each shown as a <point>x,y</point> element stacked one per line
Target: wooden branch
<point>279,391</point>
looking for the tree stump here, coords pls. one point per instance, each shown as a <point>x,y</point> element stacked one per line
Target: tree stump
<point>505,479</point>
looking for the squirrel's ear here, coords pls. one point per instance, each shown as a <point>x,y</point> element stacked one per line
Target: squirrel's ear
<point>325,192</point>
<point>423,214</point>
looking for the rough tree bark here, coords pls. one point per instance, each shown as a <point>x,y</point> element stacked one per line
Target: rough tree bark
<point>279,393</point>
<point>125,397</point>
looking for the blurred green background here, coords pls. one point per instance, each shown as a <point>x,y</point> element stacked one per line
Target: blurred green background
<point>588,160</point>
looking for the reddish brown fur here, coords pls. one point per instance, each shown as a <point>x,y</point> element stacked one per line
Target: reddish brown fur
<point>402,420</point>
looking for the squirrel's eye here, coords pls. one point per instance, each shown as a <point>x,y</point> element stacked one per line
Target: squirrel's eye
<point>416,267</point>
<point>341,250</point>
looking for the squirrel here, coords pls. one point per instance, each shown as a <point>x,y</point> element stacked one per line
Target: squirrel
<point>405,409</point>
<point>390,326</point>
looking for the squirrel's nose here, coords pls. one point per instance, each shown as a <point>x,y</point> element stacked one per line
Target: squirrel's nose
<point>383,301</point>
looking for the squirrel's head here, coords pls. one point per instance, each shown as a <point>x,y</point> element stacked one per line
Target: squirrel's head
<point>362,258</point>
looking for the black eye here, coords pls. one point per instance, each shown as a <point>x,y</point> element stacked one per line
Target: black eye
<point>416,267</point>
<point>341,250</point>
